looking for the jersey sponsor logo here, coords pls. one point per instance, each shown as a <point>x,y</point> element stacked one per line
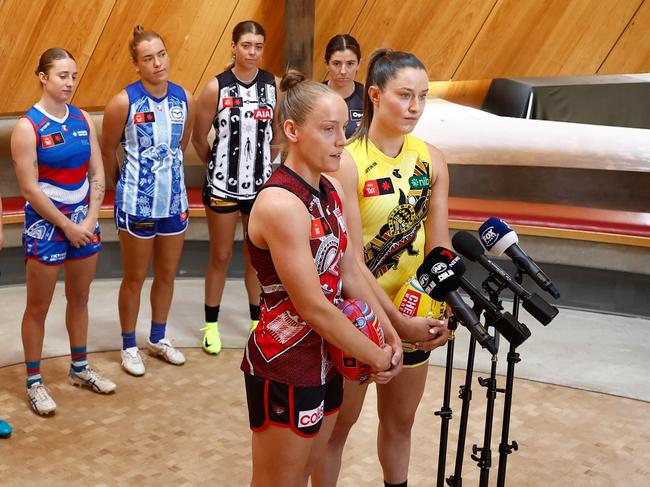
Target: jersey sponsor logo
<point>311,417</point>
<point>371,167</point>
<point>356,115</point>
<point>350,362</point>
<point>143,117</point>
<point>51,140</point>
<point>262,114</point>
<point>419,182</point>
<point>317,228</point>
<point>230,102</point>
<point>410,303</point>
<point>378,187</point>
<point>176,114</point>
<point>80,133</point>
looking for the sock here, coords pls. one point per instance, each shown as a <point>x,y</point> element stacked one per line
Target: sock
<point>33,372</point>
<point>211,314</point>
<point>255,312</point>
<point>79,358</point>
<point>403,484</point>
<point>128,340</point>
<point>157,332</point>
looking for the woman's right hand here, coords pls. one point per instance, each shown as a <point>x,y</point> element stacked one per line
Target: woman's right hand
<point>77,234</point>
<point>384,358</point>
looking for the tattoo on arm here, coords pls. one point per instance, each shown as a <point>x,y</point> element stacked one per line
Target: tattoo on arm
<point>98,191</point>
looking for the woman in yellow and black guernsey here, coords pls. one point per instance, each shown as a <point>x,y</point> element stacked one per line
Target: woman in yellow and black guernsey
<point>400,186</point>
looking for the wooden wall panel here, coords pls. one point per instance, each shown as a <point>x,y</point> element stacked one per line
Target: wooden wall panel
<point>191,29</point>
<point>270,14</point>
<point>439,33</point>
<point>29,27</point>
<point>631,54</point>
<point>546,38</point>
<point>468,93</point>
<point>334,18</point>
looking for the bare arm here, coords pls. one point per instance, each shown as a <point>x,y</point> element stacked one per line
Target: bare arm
<point>97,179</point>
<point>189,122</point>
<point>23,152</point>
<point>437,222</point>
<point>115,115</point>
<point>205,111</point>
<point>280,222</point>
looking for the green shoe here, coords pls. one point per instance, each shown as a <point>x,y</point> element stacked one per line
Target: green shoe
<point>254,324</point>
<point>211,338</point>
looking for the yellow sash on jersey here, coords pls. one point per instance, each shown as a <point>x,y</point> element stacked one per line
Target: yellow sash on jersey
<point>393,194</point>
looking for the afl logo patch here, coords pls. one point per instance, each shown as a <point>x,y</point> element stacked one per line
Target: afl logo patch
<point>176,114</point>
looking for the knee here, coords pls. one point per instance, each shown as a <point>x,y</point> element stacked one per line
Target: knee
<point>397,425</point>
<point>220,259</point>
<point>132,284</point>
<point>37,312</point>
<point>77,299</point>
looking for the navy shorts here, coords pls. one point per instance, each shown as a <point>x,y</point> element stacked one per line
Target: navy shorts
<point>300,408</point>
<point>145,227</point>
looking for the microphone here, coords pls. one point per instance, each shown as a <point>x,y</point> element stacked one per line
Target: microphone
<point>468,246</point>
<point>505,323</point>
<point>497,237</point>
<point>439,275</point>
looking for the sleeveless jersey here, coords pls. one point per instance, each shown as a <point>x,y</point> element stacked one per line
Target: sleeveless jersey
<point>355,109</point>
<point>241,152</point>
<point>63,155</point>
<point>283,347</point>
<point>152,182</point>
<point>393,196</point>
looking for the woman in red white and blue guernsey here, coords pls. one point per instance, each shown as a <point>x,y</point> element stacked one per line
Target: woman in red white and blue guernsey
<point>297,242</point>
<point>60,173</point>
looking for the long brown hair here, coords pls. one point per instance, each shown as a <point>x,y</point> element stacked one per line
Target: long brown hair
<point>48,58</point>
<point>341,42</point>
<point>245,27</point>
<point>383,66</point>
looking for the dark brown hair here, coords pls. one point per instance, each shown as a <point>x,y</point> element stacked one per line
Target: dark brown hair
<point>140,35</point>
<point>48,57</point>
<point>247,27</point>
<point>341,42</point>
<point>383,66</point>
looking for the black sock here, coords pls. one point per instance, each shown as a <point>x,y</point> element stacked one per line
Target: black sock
<point>211,314</point>
<point>403,484</point>
<point>255,312</point>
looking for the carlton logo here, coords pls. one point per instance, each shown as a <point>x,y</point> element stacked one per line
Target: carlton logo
<point>306,419</point>
<point>489,236</point>
<point>262,114</point>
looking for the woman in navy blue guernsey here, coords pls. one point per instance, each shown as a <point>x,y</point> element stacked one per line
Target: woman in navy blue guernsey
<point>151,118</point>
<point>342,58</point>
<point>240,105</point>
<point>297,240</point>
<point>60,173</point>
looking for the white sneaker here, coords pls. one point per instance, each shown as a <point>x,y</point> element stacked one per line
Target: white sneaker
<point>40,399</point>
<point>132,361</point>
<point>165,350</point>
<point>91,378</point>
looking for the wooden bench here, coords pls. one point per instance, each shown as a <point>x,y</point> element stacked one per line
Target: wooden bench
<point>535,219</point>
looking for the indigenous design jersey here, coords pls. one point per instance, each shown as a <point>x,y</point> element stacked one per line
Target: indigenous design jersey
<point>152,183</point>
<point>283,347</point>
<point>63,155</point>
<point>393,196</point>
<point>241,152</point>
<point>355,108</point>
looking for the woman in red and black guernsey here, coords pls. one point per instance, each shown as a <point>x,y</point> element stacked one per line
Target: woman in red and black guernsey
<point>297,240</point>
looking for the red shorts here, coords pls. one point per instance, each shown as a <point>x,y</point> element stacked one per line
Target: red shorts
<point>300,408</point>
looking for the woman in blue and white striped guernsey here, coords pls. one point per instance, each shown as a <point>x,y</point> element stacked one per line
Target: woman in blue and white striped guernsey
<point>151,118</point>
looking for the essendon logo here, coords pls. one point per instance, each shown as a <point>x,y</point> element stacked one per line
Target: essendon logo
<point>262,114</point>
<point>377,187</point>
<point>51,140</point>
<point>317,229</point>
<point>230,102</point>
<point>143,117</point>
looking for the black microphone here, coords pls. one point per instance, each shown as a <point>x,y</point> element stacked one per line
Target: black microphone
<point>497,237</point>
<point>440,281</point>
<point>505,323</point>
<point>468,246</point>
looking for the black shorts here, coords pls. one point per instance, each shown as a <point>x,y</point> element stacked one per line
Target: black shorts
<point>300,408</point>
<point>220,205</point>
<point>415,358</point>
